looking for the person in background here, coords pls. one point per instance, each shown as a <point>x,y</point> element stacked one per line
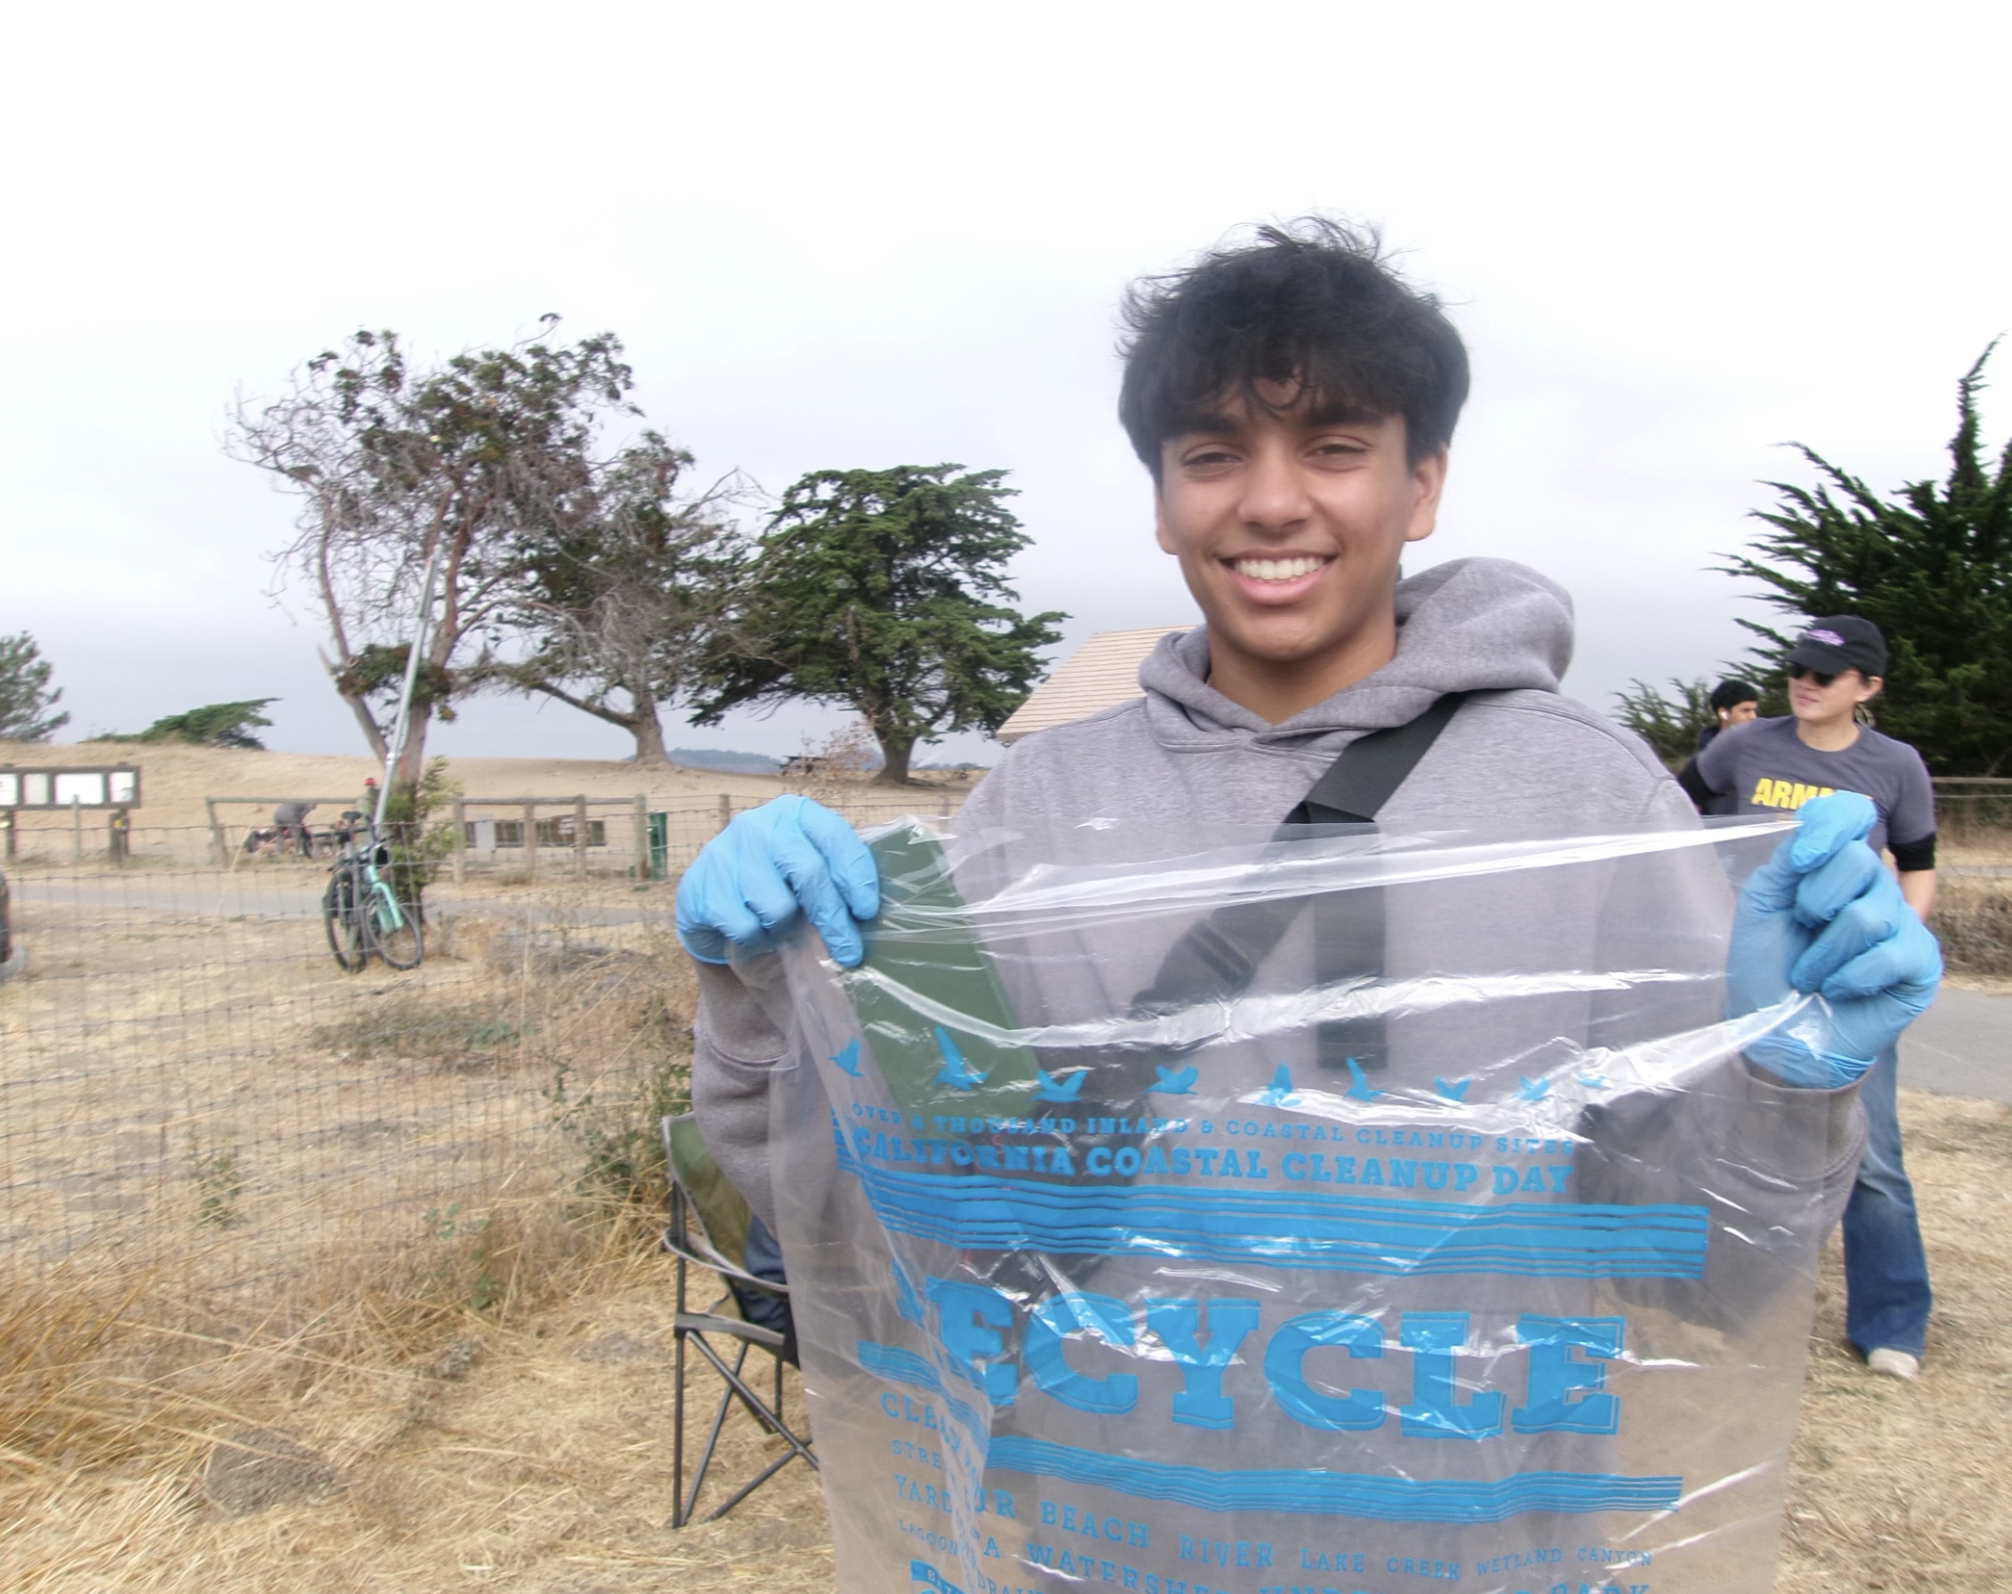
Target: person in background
<point>1776,765</point>
<point>289,822</point>
<point>1733,703</point>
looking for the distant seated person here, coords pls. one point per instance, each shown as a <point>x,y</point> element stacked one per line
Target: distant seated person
<point>289,822</point>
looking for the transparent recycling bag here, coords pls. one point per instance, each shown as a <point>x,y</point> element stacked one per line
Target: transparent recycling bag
<point>1349,1214</point>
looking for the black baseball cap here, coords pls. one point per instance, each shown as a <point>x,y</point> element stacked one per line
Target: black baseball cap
<point>1838,643</point>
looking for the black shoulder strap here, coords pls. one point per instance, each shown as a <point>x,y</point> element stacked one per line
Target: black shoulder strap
<point>1219,954</point>
<point>1358,783</point>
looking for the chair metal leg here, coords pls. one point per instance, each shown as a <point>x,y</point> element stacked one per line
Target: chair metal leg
<point>678,1412</point>
<point>719,1419</point>
<point>748,1398</point>
<point>745,1490</point>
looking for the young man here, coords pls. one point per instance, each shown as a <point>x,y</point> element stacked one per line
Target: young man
<point>1733,703</point>
<point>1774,765</point>
<point>1293,402</point>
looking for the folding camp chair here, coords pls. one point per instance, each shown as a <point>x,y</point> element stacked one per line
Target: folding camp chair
<point>712,1227</point>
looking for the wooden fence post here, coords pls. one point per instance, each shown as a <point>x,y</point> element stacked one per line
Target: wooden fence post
<point>76,830</point>
<point>580,836</point>
<point>530,841</point>
<point>216,833</point>
<point>641,837</point>
<point>460,841</point>
<point>726,810</point>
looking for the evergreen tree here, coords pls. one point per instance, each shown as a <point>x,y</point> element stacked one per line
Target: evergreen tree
<point>1670,725</point>
<point>213,725</point>
<point>25,698</point>
<point>879,590</point>
<point>1930,566</point>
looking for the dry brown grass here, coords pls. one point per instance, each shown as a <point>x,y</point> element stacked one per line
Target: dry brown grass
<point>1973,921</point>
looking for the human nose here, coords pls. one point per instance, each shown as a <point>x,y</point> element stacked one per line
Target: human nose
<point>1274,499</point>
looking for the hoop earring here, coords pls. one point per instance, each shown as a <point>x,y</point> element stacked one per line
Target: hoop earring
<point>1863,714</point>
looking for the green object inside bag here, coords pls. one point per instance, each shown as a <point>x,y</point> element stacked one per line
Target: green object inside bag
<point>923,970</point>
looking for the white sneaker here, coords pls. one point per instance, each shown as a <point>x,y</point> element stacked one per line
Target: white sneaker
<point>1893,1363</point>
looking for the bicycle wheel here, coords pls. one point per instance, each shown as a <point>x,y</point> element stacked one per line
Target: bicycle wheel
<point>394,929</point>
<point>344,924</point>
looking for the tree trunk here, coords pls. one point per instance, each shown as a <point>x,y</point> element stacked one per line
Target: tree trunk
<point>895,752</point>
<point>649,733</point>
<point>412,759</point>
<point>366,721</point>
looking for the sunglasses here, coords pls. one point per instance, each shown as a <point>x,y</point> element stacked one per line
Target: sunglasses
<point>1797,671</point>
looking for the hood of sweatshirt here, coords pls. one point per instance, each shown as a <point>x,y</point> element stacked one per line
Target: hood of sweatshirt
<point>1467,625</point>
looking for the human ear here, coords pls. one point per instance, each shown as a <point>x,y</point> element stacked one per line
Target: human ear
<point>1428,481</point>
<point>1160,533</point>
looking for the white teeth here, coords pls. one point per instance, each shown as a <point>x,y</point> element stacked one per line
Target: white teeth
<point>1277,569</point>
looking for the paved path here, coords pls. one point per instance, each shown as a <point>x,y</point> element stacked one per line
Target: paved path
<point>1962,1046</point>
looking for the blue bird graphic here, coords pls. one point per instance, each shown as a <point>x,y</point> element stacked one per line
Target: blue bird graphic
<point>1361,1090</point>
<point>1279,1093</point>
<point>1456,1091</point>
<point>1173,1081</point>
<point>1053,1089</point>
<point>1533,1089</point>
<point>955,1072</point>
<point>1592,1081</point>
<point>847,1058</point>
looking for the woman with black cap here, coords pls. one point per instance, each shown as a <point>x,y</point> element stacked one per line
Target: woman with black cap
<point>1777,765</point>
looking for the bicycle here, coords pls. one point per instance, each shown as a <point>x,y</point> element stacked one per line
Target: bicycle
<point>362,913</point>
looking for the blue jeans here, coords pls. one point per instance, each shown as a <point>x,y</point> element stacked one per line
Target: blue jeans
<point>1885,1268</point>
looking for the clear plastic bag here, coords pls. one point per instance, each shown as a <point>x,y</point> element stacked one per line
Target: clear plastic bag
<point>1139,1238</point>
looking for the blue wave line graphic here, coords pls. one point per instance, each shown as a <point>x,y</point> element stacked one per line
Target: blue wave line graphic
<point>1301,1229</point>
<point>905,1367</point>
<point>1313,1493</point>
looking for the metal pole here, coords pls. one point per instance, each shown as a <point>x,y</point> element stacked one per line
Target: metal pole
<point>395,748</point>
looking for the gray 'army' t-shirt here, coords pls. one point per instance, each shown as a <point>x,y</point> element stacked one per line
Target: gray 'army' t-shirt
<point>1769,770</point>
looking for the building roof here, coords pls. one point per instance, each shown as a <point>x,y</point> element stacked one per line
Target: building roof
<point>1101,674</point>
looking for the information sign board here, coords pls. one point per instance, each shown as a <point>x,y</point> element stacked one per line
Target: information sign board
<point>70,786</point>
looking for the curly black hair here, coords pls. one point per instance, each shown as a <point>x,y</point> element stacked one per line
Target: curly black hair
<point>1313,303</point>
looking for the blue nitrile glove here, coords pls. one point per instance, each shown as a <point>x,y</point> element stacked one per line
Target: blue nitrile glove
<point>1824,915</point>
<point>752,879</point>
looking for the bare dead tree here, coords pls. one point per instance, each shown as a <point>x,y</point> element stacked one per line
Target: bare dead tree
<point>621,596</point>
<point>476,456</point>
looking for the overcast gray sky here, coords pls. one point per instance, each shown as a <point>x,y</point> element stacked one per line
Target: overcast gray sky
<point>879,234</point>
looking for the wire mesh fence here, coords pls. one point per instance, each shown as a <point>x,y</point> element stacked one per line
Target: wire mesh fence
<point>189,1078</point>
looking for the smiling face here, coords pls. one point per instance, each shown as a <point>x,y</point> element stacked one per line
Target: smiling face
<point>1289,524</point>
